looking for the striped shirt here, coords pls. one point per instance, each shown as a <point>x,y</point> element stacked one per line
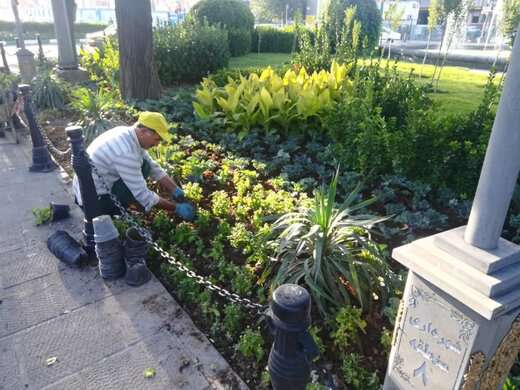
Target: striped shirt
<point>117,154</point>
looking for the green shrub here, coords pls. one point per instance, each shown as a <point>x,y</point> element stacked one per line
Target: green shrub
<point>318,48</point>
<point>269,101</point>
<point>230,13</point>
<point>102,64</point>
<point>387,125</point>
<point>348,326</point>
<point>251,345</point>
<point>234,15</point>
<point>221,77</point>
<point>359,135</point>
<point>189,51</point>
<point>314,51</point>
<point>367,13</point>
<point>239,41</point>
<point>466,139</point>
<point>273,40</point>
<point>356,375</point>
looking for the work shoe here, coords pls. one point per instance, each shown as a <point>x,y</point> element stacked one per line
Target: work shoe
<point>137,273</point>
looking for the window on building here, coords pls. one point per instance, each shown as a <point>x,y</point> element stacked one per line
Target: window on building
<point>422,18</point>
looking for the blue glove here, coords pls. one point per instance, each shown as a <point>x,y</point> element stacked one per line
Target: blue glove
<point>185,211</point>
<point>178,194</point>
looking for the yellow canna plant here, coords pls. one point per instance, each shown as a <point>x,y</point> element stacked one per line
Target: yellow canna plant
<point>268,100</point>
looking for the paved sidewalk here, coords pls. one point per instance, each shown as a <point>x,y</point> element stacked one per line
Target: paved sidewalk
<point>103,335</point>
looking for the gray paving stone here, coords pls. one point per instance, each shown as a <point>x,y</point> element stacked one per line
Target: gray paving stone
<point>103,334</point>
<point>10,374</point>
<point>125,370</point>
<point>19,266</point>
<point>53,295</point>
<point>77,339</point>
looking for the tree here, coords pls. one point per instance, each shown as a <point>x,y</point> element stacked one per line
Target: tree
<point>138,73</point>
<point>234,15</point>
<point>273,10</point>
<point>367,13</point>
<point>451,16</point>
<point>508,24</point>
<point>394,15</point>
<point>434,15</point>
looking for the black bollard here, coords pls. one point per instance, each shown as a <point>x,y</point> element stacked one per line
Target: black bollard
<point>293,348</point>
<point>83,171</point>
<point>41,158</point>
<point>4,59</point>
<point>41,56</point>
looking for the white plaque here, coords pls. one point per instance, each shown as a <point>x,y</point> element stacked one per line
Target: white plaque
<point>433,342</point>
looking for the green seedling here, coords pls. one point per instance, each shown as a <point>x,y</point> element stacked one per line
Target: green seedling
<point>42,215</point>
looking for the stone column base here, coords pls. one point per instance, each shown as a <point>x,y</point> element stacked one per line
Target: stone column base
<point>456,326</point>
<point>78,75</point>
<point>26,64</point>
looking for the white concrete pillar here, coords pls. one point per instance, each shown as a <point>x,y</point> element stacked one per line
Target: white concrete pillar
<point>501,165</point>
<point>63,25</point>
<point>459,320</point>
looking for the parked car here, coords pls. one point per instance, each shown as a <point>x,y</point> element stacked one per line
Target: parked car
<point>387,33</point>
<point>96,38</point>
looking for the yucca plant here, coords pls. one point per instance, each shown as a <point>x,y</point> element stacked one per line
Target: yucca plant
<point>48,93</point>
<point>328,247</point>
<point>98,110</point>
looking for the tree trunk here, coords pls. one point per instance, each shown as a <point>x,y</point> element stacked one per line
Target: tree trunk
<point>444,58</point>
<point>304,11</point>
<point>18,24</point>
<point>138,73</point>
<point>426,52</point>
<point>445,27</point>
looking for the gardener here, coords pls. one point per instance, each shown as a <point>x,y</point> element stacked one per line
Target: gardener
<point>121,159</point>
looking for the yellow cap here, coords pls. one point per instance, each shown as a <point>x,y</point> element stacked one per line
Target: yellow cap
<point>156,122</point>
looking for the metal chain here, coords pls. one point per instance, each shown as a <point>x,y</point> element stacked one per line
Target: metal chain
<point>46,139</point>
<point>180,266</point>
<point>51,146</point>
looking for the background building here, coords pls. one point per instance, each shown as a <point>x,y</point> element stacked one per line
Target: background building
<point>480,21</point>
<point>91,11</point>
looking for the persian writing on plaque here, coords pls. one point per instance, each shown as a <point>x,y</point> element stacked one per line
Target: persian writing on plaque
<point>433,342</point>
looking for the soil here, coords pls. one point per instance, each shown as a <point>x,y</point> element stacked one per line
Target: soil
<point>53,125</point>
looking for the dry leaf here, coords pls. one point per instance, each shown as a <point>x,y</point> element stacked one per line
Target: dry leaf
<point>50,361</point>
<point>149,373</point>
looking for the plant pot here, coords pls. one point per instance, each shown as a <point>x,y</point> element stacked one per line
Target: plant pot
<point>66,249</point>
<point>104,229</point>
<point>59,211</point>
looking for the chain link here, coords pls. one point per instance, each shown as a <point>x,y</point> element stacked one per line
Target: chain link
<point>46,139</point>
<point>51,146</point>
<point>233,297</point>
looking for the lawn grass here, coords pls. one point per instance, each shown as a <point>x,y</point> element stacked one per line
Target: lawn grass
<point>460,89</point>
<point>259,60</point>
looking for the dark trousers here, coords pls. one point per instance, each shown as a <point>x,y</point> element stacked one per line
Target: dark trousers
<point>107,207</point>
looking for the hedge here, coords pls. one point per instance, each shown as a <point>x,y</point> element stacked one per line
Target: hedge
<point>190,50</point>
<point>46,30</point>
<point>234,15</point>
<point>273,40</point>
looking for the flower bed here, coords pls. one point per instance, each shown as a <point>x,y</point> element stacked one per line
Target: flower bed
<point>232,243</point>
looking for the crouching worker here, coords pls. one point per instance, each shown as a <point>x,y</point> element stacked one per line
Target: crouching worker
<point>121,159</point>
